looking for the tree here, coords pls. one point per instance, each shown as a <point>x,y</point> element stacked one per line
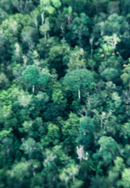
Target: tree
<point>113,8</point>
<point>52,136</point>
<point>3,15</point>
<point>77,6</point>
<point>58,96</point>
<point>68,174</point>
<point>107,27</point>
<point>49,6</point>
<point>70,132</point>
<point>79,29</point>
<point>7,8</point>
<point>31,148</point>
<point>99,181</point>
<point>125,7</point>
<point>108,149</point>
<point>125,181</point>
<point>5,114</point>
<point>77,80</point>
<point>56,55</point>
<point>86,129</point>
<point>4,81</point>
<point>114,173</point>
<point>34,17</point>
<point>18,174</point>
<point>29,36</point>
<point>17,54</point>
<point>117,99</point>
<point>44,28</point>
<point>112,40</point>
<point>24,99</point>
<point>11,27</point>
<point>76,60</point>
<point>110,74</point>
<point>126,76</point>
<point>32,76</point>
<point>21,6</point>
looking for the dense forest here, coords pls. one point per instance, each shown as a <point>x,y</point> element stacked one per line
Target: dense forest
<point>64,93</point>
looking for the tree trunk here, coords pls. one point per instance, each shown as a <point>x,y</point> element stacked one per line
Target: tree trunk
<point>42,16</point>
<point>33,89</point>
<point>79,94</point>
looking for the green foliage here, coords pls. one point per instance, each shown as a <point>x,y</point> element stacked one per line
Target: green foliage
<point>76,59</point>
<point>78,79</point>
<point>70,132</point>
<point>115,172</point>
<point>113,7</point>
<point>56,55</point>
<point>125,75</point>
<point>125,178</point>
<point>49,6</point>
<point>45,28</point>
<point>79,29</point>
<point>58,95</point>
<point>30,147</point>
<point>110,74</point>
<point>108,149</point>
<point>64,93</point>
<point>33,77</point>
<point>4,81</point>
<point>86,129</point>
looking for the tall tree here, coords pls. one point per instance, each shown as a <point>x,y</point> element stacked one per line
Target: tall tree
<point>78,79</point>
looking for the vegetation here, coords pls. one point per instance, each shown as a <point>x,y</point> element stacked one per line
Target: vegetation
<point>64,94</point>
